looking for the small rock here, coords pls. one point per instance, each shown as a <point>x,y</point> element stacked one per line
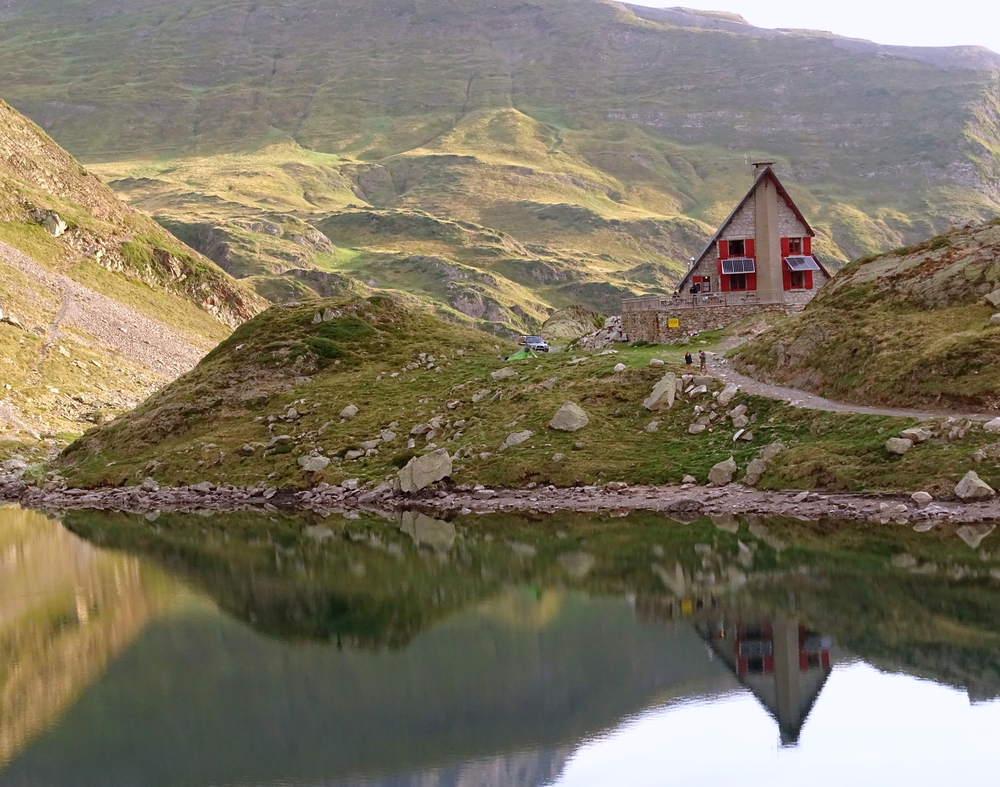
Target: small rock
<point>150,485</point>
<point>697,428</point>
<point>741,422</point>
<point>921,498</point>
<point>616,486</point>
<point>916,434</point>
<point>503,374</point>
<point>992,426</point>
<point>516,438</point>
<point>972,487</point>
<point>689,479</point>
<point>349,412</point>
<point>620,367</point>
<point>898,445</point>
<point>655,362</point>
<point>995,319</point>
<point>651,427</point>
<point>558,457</point>
<point>699,389</point>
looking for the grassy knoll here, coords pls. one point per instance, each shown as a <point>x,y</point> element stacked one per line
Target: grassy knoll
<point>228,420</point>
<point>911,326</point>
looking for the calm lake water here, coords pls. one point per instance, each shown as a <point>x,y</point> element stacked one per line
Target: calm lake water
<point>571,650</point>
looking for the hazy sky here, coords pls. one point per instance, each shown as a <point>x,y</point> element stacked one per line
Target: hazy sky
<point>906,22</point>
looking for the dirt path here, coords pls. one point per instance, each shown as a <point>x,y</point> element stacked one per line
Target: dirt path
<point>720,368</point>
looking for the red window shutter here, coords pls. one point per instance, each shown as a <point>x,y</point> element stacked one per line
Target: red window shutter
<point>784,247</point>
<point>749,247</point>
<point>723,249</point>
<point>751,282</point>
<point>809,280</point>
<point>723,281</point>
<point>786,277</point>
<point>807,245</point>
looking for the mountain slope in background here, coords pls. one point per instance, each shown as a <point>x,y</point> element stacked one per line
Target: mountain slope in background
<point>914,326</point>
<point>99,304</point>
<point>550,152</point>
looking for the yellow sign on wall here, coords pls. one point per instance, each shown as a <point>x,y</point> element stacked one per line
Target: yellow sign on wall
<point>673,322</point>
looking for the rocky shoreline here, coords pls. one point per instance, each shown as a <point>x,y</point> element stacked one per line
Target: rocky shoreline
<point>684,503</point>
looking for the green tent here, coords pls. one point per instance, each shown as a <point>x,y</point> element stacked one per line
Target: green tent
<point>521,354</point>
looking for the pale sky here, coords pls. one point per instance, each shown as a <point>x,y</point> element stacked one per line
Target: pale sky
<point>907,23</point>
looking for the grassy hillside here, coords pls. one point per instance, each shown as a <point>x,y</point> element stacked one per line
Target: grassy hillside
<point>101,304</point>
<point>273,392</point>
<point>912,326</point>
<point>592,145</point>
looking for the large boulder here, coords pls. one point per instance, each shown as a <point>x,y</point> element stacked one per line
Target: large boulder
<point>972,487</point>
<point>664,393</point>
<point>422,471</point>
<point>994,297</point>
<point>722,473</point>
<point>569,418</point>
<point>992,426</point>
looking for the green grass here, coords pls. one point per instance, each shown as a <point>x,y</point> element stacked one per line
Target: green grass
<point>280,360</point>
<point>906,328</point>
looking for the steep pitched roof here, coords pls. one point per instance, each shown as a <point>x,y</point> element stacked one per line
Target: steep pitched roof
<point>766,173</point>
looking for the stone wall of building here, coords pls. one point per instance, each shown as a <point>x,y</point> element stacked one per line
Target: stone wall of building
<point>789,225</point>
<point>743,225</point>
<point>653,325</point>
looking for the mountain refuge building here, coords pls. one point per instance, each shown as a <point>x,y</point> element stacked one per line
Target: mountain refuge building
<point>760,259</point>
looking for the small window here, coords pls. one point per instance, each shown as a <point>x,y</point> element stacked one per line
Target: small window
<point>738,281</point>
<point>795,245</point>
<point>706,284</point>
<point>797,280</point>
<point>737,248</point>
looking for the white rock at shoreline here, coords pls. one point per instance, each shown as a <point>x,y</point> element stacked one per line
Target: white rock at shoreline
<point>972,487</point>
<point>898,445</point>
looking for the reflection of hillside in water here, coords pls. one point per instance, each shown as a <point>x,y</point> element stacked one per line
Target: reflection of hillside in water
<point>66,609</point>
<point>483,651</point>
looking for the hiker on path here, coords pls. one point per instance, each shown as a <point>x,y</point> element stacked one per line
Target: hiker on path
<point>688,360</point>
<point>703,359</point>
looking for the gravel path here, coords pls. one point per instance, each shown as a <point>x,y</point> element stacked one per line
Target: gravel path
<point>720,368</point>
<point>121,329</point>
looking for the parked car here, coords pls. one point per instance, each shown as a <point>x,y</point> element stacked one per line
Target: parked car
<point>535,343</point>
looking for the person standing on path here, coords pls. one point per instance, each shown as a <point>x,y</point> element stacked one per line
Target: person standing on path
<point>688,360</point>
<point>703,360</point>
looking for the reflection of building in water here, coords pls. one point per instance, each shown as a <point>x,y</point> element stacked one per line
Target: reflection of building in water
<point>784,664</point>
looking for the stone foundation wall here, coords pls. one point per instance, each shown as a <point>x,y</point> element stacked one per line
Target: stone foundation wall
<point>652,326</point>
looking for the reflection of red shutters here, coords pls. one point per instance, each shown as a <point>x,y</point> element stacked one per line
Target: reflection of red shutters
<point>749,247</point>
<point>723,249</point>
